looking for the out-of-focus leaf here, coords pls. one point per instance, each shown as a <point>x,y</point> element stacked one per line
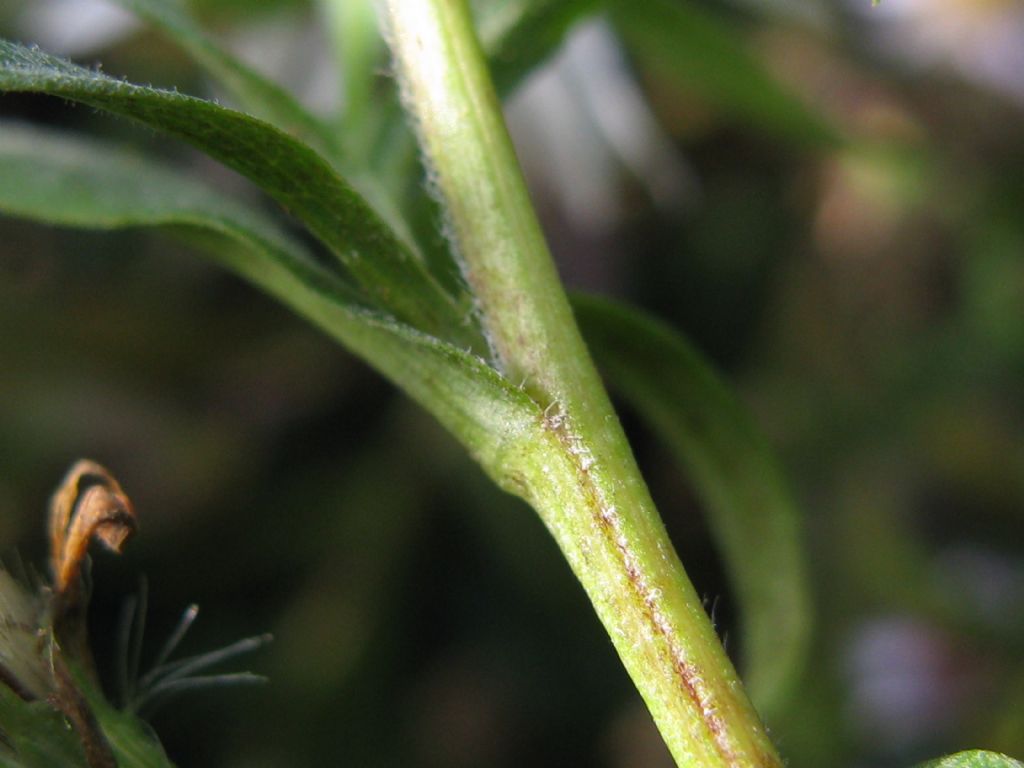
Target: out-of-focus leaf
<point>752,514</point>
<point>974,759</point>
<point>35,735</point>
<point>288,170</point>
<point>681,41</point>
<point>57,180</point>
<point>33,732</point>
<point>519,35</point>
<point>131,739</point>
<point>360,52</point>
<point>253,91</point>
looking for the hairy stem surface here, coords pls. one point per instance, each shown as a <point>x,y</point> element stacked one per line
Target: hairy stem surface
<point>580,473</point>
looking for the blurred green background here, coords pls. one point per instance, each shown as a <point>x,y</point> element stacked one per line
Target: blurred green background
<point>865,301</point>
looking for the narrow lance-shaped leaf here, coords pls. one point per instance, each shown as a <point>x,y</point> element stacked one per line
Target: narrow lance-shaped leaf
<point>57,179</point>
<point>288,170</point>
<point>253,91</point>
<point>751,512</point>
<point>683,42</point>
<point>518,35</point>
<point>266,99</point>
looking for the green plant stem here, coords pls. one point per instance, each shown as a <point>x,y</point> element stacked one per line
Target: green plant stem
<point>581,477</point>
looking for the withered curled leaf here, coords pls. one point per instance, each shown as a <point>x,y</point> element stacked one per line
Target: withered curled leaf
<point>89,503</point>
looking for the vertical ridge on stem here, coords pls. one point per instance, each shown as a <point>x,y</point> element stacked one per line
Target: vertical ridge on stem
<point>583,481</point>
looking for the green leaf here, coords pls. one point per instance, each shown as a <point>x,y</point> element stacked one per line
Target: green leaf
<point>54,179</point>
<point>679,40</point>
<point>131,739</point>
<point>518,35</point>
<point>266,99</point>
<point>751,512</point>
<point>35,735</point>
<point>289,171</point>
<point>360,54</point>
<point>974,759</point>
<point>253,91</point>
